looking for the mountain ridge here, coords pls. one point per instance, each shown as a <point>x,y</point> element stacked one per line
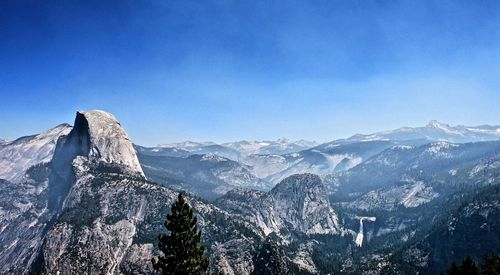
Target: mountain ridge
<point>17,156</point>
<point>434,131</point>
<point>90,198</point>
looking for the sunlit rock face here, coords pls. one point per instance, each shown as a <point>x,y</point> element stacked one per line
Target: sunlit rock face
<point>108,141</point>
<point>56,161</point>
<point>96,137</point>
<point>298,203</point>
<point>18,156</point>
<point>301,200</point>
<point>91,210</point>
<point>106,208</point>
<point>23,220</point>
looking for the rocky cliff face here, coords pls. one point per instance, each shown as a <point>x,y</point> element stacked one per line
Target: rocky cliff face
<point>471,230</point>
<point>91,210</point>
<point>298,203</point>
<point>108,142</point>
<point>296,215</point>
<point>301,201</point>
<point>24,217</point>
<point>112,217</point>
<point>108,215</point>
<point>18,156</point>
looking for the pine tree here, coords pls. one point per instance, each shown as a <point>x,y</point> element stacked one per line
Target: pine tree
<point>469,267</point>
<point>491,265</point>
<point>453,270</point>
<point>270,260</point>
<point>182,249</point>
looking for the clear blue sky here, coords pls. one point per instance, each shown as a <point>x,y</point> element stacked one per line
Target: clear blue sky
<point>230,70</point>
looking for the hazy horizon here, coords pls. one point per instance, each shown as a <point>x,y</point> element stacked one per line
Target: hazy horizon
<point>167,142</point>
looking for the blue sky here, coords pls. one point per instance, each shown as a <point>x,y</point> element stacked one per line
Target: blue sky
<point>230,70</point>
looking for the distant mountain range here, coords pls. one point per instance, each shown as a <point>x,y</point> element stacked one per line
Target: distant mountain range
<point>236,150</point>
<point>435,131</point>
<point>209,176</point>
<point>273,161</point>
<point>84,199</point>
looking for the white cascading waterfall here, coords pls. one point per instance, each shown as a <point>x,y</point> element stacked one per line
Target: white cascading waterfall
<point>360,236</point>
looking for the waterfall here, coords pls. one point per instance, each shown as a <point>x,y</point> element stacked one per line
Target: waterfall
<point>360,236</point>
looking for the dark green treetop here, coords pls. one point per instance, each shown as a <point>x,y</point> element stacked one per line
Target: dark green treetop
<point>182,248</point>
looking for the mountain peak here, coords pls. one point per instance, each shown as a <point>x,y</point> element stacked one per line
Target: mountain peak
<point>19,155</point>
<point>108,141</point>
<point>437,124</point>
<point>186,144</point>
<point>303,197</point>
<point>298,203</point>
<point>283,140</point>
<point>302,182</point>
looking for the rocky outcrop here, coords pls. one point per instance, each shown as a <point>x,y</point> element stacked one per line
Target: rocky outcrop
<point>298,203</point>
<point>111,218</point>
<point>18,156</point>
<point>23,220</point>
<point>96,137</point>
<point>91,210</point>
<point>470,230</point>
<point>108,142</point>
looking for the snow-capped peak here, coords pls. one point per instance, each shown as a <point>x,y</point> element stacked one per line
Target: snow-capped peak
<point>437,124</point>
<point>186,145</point>
<point>237,149</point>
<point>279,146</point>
<point>445,128</point>
<point>433,131</point>
<point>283,140</point>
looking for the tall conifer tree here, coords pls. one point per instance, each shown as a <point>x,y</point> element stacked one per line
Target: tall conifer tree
<point>182,248</point>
